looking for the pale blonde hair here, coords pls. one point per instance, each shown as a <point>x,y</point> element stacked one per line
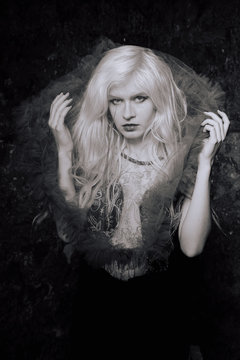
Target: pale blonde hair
<point>97,143</point>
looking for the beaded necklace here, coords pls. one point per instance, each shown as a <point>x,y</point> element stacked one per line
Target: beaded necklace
<point>138,162</point>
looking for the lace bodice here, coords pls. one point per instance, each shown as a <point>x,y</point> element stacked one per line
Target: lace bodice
<point>135,180</point>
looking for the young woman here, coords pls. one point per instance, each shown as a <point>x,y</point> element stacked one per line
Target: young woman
<point>128,172</point>
<point>128,148</point>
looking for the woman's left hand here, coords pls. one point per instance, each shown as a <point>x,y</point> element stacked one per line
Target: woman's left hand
<point>217,125</point>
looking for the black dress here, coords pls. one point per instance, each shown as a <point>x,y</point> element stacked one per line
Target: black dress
<point>142,317</point>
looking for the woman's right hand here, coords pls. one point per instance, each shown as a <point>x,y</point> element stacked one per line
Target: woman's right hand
<point>58,111</point>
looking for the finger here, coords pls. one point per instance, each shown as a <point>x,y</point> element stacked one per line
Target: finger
<point>62,106</point>
<point>54,106</point>
<point>61,96</point>
<point>56,98</point>
<point>212,133</point>
<point>226,121</point>
<point>214,124</point>
<point>58,117</point>
<point>60,123</point>
<point>57,103</point>
<point>219,120</point>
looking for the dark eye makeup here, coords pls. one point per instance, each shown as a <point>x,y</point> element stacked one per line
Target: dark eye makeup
<point>136,98</point>
<point>115,101</point>
<point>140,98</point>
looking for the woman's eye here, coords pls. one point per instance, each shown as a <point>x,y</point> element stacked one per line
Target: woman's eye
<point>140,99</point>
<point>115,101</point>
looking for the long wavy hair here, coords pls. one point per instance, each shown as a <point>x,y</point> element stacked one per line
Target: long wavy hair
<point>98,145</point>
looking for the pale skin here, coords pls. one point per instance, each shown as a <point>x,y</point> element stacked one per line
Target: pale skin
<point>127,105</point>
<point>130,105</point>
<point>58,111</point>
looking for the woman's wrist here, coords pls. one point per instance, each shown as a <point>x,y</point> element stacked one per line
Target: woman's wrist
<point>63,153</point>
<point>64,163</point>
<point>204,163</point>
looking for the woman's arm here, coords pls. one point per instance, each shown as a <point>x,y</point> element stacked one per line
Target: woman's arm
<point>195,223</point>
<point>64,174</point>
<point>62,136</point>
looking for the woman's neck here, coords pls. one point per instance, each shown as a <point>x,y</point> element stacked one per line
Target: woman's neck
<point>139,151</point>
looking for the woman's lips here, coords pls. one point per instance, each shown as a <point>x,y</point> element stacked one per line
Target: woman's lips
<point>130,127</point>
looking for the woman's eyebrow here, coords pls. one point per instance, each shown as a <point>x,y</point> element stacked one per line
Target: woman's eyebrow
<point>142,93</point>
<point>131,97</point>
<point>114,96</point>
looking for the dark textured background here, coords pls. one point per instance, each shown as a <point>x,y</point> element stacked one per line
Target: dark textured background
<point>42,40</point>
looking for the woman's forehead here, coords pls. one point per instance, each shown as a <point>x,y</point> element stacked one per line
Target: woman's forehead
<point>127,88</point>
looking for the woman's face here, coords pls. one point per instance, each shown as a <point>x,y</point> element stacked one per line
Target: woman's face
<point>131,109</point>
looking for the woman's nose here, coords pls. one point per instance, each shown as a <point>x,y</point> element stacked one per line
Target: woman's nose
<point>128,111</point>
